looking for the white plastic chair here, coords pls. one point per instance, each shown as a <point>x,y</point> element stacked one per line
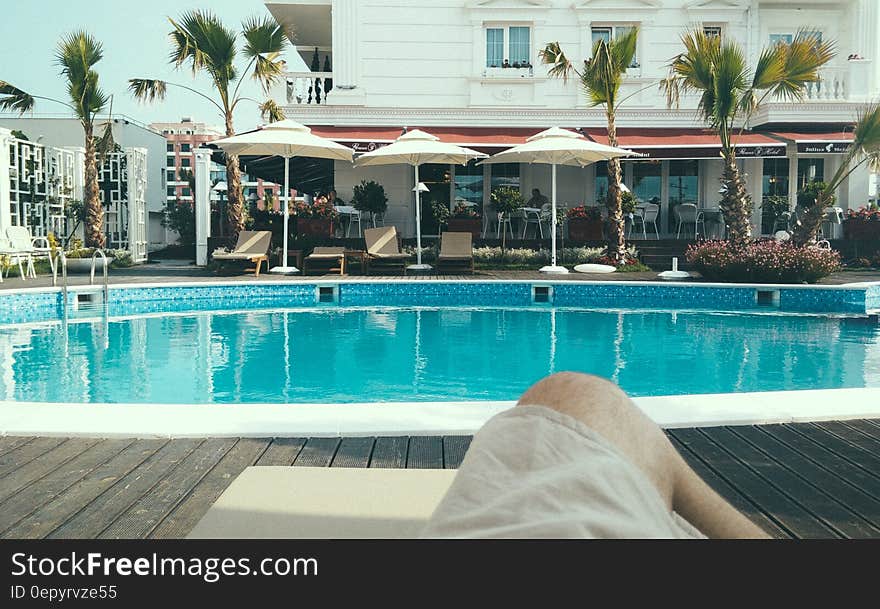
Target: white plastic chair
<point>353,216</point>
<point>688,213</point>
<point>537,218</point>
<point>504,222</point>
<point>21,248</point>
<point>833,217</point>
<point>644,215</point>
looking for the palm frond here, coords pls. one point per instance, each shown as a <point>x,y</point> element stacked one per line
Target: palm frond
<point>200,38</point>
<point>13,98</point>
<point>264,43</point>
<point>731,80</point>
<point>148,89</point>
<point>623,49</point>
<point>560,66</point>
<point>271,111</point>
<point>77,54</point>
<point>866,135</point>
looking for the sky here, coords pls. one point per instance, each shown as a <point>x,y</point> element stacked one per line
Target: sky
<point>135,38</point>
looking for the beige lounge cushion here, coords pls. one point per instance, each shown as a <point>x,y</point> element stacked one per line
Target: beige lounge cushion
<point>382,241</point>
<point>325,503</point>
<point>327,253</point>
<point>456,246</point>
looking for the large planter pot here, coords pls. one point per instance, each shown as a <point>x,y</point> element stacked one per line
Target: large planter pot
<point>474,226</point>
<point>861,230</point>
<point>84,265</point>
<point>314,227</point>
<point>584,229</point>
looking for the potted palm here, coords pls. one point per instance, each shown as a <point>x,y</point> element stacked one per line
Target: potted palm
<point>584,223</point>
<point>465,219</point>
<point>317,219</point>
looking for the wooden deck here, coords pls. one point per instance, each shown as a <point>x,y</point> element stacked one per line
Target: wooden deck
<point>813,480</point>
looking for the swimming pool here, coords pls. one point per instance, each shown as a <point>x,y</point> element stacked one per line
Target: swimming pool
<point>338,355</point>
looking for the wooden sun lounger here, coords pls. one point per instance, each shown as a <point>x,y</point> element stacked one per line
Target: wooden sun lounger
<point>322,256</point>
<point>252,246</point>
<point>325,503</point>
<point>383,249</point>
<point>456,252</point>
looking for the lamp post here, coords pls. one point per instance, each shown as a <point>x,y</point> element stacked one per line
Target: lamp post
<point>419,189</point>
<point>221,188</point>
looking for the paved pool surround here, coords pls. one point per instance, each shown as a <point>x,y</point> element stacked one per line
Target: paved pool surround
<point>45,304</point>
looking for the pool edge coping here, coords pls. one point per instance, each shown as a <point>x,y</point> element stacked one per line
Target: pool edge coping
<point>407,418</point>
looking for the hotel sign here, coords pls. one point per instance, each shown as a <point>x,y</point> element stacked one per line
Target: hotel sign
<point>711,152</point>
<point>824,147</point>
<point>361,147</point>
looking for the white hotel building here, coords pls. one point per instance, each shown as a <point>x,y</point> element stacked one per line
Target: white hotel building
<point>436,66</point>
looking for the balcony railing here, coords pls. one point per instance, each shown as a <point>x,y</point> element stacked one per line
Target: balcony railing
<point>833,86</point>
<point>308,87</point>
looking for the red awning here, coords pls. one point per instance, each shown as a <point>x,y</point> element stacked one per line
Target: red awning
<point>653,143</point>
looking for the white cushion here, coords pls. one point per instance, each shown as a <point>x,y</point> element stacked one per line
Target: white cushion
<point>594,268</point>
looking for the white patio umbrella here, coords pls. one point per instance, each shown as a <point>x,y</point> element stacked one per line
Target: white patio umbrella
<point>286,139</point>
<point>416,148</point>
<point>554,147</point>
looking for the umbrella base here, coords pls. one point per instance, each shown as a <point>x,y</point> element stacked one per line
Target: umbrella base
<point>419,267</point>
<point>284,270</point>
<point>556,270</point>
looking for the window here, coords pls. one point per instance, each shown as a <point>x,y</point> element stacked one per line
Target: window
<point>684,186</point>
<point>185,148</point>
<point>171,190</point>
<point>187,192</point>
<point>170,147</point>
<point>810,170</point>
<point>601,181</point>
<point>783,38</point>
<point>712,31</point>
<point>609,33</point>
<point>185,162</point>
<point>511,44</point>
<point>505,174</point>
<point>170,162</point>
<point>469,184</point>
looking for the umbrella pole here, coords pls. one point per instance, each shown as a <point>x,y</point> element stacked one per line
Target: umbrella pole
<point>553,268</point>
<point>284,269</point>
<point>418,266</point>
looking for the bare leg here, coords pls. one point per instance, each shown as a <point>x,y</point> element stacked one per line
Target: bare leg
<point>603,407</point>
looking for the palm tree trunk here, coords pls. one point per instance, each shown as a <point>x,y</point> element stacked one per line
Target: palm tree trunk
<point>616,223</point>
<point>234,207</point>
<point>736,204</point>
<point>810,223</point>
<point>94,227</point>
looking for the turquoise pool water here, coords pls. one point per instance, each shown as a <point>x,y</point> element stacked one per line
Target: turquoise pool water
<point>337,355</point>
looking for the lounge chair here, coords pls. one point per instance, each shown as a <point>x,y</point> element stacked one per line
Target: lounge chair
<point>324,258</point>
<point>456,252</point>
<point>325,503</point>
<point>383,249</point>
<point>252,246</point>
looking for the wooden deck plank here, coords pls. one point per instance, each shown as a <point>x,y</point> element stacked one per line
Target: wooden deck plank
<point>184,517</point>
<point>822,435</point>
<point>827,458</point>
<point>390,452</point>
<point>318,452</point>
<point>864,509</point>
<point>138,521</point>
<point>354,452</point>
<point>100,513</point>
<point>43,521</point>
<point>8,443</point>
<point>828,513</point>
<point>34,470</point>
<point>23,454</point>
<point>871,431</point>
<point>851,435</point>
<point>773,503</point>
<point>731,494</point>
<point>454,449</point>
<point>282,451</point>
<point>425,452</point>
<point>50,486</point>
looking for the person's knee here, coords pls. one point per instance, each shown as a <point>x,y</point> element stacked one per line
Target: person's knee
<point>577,394</point>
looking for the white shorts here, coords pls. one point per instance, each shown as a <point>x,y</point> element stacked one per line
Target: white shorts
<point>533,472</point>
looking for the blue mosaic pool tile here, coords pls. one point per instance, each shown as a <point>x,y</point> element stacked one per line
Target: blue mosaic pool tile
<point>872,298</point>
<point>653,296</point>
<point>822,301</point>
<point>29,307</point>
<point>425,293</point>
<point>292,293</point>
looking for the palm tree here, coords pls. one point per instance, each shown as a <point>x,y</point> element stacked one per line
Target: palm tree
<point>730,92</point>
<point>865,149</point>
<point>200,39</point>
<point>77,54</point>
<point>601,78</point>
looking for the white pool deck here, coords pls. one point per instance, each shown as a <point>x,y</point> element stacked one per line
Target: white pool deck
<point>404,419</point>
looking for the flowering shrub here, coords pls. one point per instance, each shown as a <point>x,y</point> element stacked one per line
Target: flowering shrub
<point>467,212</point>
<point>862,223</point>
<point>582,211</point>
<point>320,208</point>
<point>762,262</point>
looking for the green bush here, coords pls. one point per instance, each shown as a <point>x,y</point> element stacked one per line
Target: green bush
<point>180,217</point>
<point>369,197</point>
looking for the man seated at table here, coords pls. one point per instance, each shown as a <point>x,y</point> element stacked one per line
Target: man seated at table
<point>333,200</point>
<point>538,200</point>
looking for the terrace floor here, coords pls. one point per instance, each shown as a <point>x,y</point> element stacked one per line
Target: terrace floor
<point>805,480</point>
<point>167,271</point>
